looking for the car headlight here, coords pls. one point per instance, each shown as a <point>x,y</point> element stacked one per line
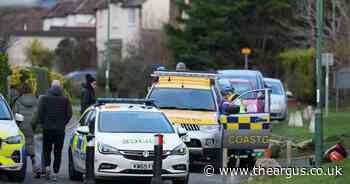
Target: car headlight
<point>108,150</point>
<point>14,139</point>
<point>209,128</point>
<point>180,150</point>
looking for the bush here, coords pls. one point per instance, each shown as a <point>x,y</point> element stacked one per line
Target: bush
<point>42,77</point>
<point>299,73</point>
<point>5,71</point>
<point>21,75</point>
<point>39,79</point>
<point>39,55</point>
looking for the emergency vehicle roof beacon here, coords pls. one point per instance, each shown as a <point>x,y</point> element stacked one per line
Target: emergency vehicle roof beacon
<point>124,138</point>
<point>12,144</point>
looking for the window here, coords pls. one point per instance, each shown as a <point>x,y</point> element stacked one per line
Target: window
<point>5,113</point>
<point>134,122</point>
<point>132,17</point>
<point>186,99</point>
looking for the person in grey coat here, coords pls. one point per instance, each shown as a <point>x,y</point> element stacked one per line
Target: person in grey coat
<point>26,104</point>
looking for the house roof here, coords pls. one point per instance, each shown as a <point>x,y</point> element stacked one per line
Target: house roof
<point>18,18</point>
<point>125,3</point>
<point>66,7</point>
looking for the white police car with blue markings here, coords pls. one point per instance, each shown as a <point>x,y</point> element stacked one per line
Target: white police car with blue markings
<point>124,131</point>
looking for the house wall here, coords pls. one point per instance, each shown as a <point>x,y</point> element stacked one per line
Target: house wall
<point>155,13</point>
<point>79,20</point>
<point>121,28</point>
<point>16,52</point>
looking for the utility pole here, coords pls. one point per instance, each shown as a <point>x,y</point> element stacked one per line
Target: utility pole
<point>108,54</point>
<point>246,52</point>
<point>319,120</point>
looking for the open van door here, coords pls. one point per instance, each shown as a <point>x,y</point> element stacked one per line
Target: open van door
<point>250,128</point>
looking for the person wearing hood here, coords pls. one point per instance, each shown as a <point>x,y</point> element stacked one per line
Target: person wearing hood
<point>26,104</point>
<point>54,113</point>
<point>87,96</point>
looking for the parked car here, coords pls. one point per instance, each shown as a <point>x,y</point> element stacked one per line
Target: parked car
<point>13,156</point>
<point>279,105</point>
<point>78,78</point>
<point>243,81</point>
<point>124,136</point>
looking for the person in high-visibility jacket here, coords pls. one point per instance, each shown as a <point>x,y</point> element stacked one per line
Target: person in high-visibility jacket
<point>229,104</point>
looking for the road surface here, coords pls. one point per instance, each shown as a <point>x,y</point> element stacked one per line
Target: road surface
<point>195,178</point>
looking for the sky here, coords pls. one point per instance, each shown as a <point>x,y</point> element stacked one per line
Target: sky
<point>29,3</point>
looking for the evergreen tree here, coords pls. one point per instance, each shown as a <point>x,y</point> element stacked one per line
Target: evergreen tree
<point>210,33</point>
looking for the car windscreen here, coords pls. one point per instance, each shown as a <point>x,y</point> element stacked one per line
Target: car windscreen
<point>134,122</point>
<point>276,87</point>
<point>252,78</point>
<point>5,113</point>
<point>182,98</point>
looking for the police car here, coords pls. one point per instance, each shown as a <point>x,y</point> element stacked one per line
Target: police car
<point>12,144</point>
<point>124,132</point>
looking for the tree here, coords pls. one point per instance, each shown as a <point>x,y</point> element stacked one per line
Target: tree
<point>209,34</point>
<point>5,72</point>
<point>38,55</point>
<point>76,54</point>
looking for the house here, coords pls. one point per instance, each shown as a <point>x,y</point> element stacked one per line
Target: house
<point>156,13</point>
<point>125,27</point>
<point>48,39</point>
<point>71,13</point>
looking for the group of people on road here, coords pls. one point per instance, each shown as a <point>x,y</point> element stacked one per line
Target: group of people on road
<point>52,112</point>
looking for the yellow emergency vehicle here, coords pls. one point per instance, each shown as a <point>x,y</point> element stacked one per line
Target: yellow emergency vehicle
<point>12,144</point>
<point>191,100</point>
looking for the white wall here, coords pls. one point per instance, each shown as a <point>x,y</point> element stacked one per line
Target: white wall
<point>120,28</point>
<point>16,52</point>
<point>155,13</point>
<point>79,20</point>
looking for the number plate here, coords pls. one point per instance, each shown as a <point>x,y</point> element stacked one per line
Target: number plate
<point>142,166</point>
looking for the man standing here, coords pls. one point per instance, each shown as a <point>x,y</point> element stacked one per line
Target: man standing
<point>88,97</point>
<point>54,112</point>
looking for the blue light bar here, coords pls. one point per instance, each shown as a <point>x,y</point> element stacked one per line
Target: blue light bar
<point>102,101</point>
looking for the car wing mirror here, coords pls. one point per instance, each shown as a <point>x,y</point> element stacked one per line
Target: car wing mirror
<point>84,130</point>
<point>19,118</point>
<point>181,131</point>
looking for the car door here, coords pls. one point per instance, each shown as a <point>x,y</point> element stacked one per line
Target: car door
<point>79,142</point>
<point>90,122</point>
<point>248,130</point>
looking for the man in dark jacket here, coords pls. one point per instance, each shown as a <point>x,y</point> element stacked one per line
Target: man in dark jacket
<point>88,97</point>
<point>54,113</point>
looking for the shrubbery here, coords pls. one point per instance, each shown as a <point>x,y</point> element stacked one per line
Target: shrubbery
<point>299,73</point>
<point>4,72</point>
<point>39,79</point>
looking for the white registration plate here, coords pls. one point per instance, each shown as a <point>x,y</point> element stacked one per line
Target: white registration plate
<point>142,166</point>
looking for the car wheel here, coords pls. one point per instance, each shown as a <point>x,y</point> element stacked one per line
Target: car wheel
<point>182,181</point>
<point>73,174</point>
<point>19,176</point>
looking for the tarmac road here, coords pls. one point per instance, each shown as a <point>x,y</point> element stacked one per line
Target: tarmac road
<point>195,178</point>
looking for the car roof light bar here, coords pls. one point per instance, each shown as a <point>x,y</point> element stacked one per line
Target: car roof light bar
<point>102,101</point>
<point>184,74</point>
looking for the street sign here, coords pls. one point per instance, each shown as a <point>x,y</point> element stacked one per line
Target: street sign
<point>327,58</point>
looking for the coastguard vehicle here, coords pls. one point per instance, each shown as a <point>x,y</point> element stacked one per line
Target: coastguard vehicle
<point>190,100</point>
<point>12,144</point>
<point>124,132</point>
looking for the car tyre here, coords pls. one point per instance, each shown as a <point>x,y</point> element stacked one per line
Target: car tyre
<point>74,175</point>
<point>18,176</point>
